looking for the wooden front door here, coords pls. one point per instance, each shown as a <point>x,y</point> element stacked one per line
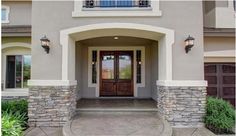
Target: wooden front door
<point>116,73</point>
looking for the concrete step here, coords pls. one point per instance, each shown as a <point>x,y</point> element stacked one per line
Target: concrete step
<point>116,110</point>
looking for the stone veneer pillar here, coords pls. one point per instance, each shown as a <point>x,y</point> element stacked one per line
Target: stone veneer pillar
<point>182,106</point>
<point>51,105</point>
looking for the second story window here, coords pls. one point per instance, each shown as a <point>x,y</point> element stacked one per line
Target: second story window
<point>116,8</point>
<point>115,3</point>
<point>5,14</point>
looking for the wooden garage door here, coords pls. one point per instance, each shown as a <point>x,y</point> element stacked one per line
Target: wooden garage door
<point>221,80</point>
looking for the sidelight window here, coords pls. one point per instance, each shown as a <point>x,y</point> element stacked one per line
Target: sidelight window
<point>18,71</point>
<point>94,66</point>
<point>139,64</point>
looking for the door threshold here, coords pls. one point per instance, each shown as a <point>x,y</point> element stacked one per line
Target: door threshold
<point>115,97</point>
<point>103,97</point>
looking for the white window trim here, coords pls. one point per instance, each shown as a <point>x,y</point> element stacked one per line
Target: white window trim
<point>152,11</point>
<point>131,48</point>
<point>7,13</point>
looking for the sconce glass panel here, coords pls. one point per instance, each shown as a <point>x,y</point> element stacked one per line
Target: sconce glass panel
<point>138,63</point>
<point>94,66</point>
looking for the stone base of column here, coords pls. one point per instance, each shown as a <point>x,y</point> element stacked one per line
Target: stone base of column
<point>51,105</point>
<point>182,106</point>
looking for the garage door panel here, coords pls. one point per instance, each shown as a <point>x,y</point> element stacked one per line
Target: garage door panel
<point>210,69</point>
<point>228,68</point>
<point>228,79</point>
<point>211,79</point>
<point>212,91</point>
<point>221,80</point>
<point>229,91</point>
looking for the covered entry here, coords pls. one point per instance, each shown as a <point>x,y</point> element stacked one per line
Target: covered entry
<point>114,84</point>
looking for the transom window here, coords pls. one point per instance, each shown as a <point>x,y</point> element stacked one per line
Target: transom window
<point>5,14</point>
<point>18,71</point>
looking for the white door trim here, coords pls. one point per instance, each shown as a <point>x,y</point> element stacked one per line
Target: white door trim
<point>116,48</point>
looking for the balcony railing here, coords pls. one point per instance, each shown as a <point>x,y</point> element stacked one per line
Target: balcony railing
<point>116,3</point>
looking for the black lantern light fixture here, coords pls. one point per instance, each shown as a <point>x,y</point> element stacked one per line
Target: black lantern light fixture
<point>45,43</point>
<point>189,42</point>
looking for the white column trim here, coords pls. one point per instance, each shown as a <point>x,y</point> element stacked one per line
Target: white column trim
<point>189,83</point>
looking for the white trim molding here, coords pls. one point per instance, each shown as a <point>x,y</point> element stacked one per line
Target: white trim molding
<point>221,53</point>
<point>16,44</point>
<point>7,13</point>
<point>164,36</point>
<point>51,82</point>
<point>189,83</point>
<point>152,11</point>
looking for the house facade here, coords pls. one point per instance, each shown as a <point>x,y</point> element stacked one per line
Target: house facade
<point>110,48</point>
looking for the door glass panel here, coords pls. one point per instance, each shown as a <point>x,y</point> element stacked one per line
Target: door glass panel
<point>26,69</point>
<point>10,71</point>
<point>18,71</point>
<point>125,67</point>
<point>108,67</point>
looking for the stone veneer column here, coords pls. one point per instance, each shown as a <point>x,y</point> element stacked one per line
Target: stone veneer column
<point>51,105</point>
<point>182,106</point>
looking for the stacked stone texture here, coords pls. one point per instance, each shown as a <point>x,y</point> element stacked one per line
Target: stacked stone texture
<point>182,106</point>
<point>51,105</point>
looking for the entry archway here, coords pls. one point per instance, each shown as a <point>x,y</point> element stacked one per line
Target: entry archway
<point>164,36</point>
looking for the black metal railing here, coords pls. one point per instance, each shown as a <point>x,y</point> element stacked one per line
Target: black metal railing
<point>116,3</point>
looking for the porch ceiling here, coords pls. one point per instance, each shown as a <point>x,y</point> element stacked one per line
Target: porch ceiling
<point>116,32</point>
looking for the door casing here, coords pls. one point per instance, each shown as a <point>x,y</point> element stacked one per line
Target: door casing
<point>116,86</point>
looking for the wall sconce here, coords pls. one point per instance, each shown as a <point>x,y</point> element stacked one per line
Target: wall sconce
<point>189,42</point>
<point>45,43</point>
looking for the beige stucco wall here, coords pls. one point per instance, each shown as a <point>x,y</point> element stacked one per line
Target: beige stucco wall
<point>219,49</point>
<point>20,12</point>
<point>183,64</point>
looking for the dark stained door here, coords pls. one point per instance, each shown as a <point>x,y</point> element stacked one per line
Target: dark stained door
<point>116,73</point>
<point>221,80</point>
